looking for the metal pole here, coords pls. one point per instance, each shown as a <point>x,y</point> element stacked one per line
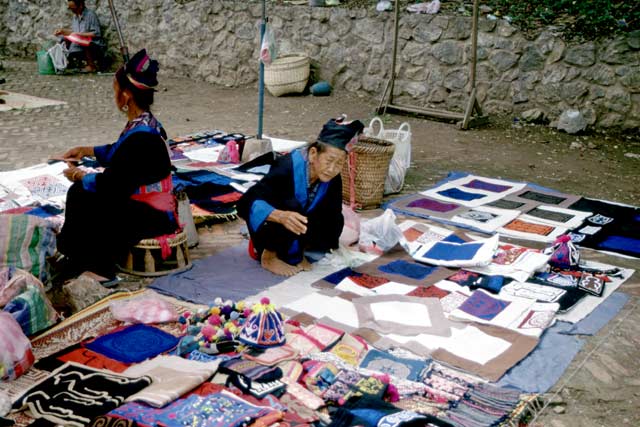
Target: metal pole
<point>263,26</point>
<point>123,45</point>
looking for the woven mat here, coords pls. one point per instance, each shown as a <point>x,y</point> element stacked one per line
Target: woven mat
<point>93,321</point>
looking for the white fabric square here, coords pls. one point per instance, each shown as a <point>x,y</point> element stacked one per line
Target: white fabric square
<point>406,313</point>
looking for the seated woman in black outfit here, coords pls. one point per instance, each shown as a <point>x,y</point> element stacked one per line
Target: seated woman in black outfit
<point>132,199</point>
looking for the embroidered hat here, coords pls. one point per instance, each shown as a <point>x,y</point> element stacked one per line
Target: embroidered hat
<point>264,327</point>
<point>338,132</point>
<point>142,71</point>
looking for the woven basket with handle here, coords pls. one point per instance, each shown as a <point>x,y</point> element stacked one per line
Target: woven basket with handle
<point>287,74</point>
<point>365,171</point>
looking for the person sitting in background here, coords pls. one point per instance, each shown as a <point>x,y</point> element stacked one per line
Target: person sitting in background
<point>85,42</point>
<point>107,213</point>
<point>297,206</point>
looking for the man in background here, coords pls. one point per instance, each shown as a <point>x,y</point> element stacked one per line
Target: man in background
<point>85,42</point>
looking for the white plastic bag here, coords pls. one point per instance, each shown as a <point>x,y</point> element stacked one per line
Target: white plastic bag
<point>58,54</point>
<point>144,309</point>
<point>401,159</point>
<point>268,49</point>
<point>351,230</point>
<point>379,234</point>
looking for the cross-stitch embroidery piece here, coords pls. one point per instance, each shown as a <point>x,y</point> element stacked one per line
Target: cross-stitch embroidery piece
<point>369,282</point>
<point>485,219</point>
<point>590,230</point>
<point>45,186</point>
<point>428,292</point>
<point>483,306</point>
<point>527,227</point>
<point>74,394</point>
<point>479,184</point>
<point>537,320</point>
<point>559,217</point>
<point>452,301</point>
<point>599,219</point>
<point>533,291</point>
<point>382,361</point>
<point>530,229</point>
<point>592,284</point>
<point>515,262</point>
<point>133,344</point>
<point>478,216</point>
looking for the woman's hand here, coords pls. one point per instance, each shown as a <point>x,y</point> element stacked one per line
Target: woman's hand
<point>77,153</point>
<point>292,221</point>
<point>73,173</point>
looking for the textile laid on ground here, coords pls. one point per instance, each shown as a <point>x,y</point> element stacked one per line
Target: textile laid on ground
<point>26,242</point>
<point>611,227</point>
<point>133,344</point>
<point>74,394</point>
<point>172,376</point>
<point>212,277</point>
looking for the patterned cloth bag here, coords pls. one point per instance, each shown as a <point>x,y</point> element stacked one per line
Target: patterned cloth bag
<point>563,253</point>
<point>15,349</point>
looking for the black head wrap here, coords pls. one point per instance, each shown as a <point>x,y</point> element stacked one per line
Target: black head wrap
<point>339,133</point>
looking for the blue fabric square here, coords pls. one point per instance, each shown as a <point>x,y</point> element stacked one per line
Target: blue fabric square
<point>451,251</point>
<point>387,363</point>
<point>407,269</point>
<point>340,275</point>
<point>452,238</point>
<point>455,193</point>
<point>133,344</point>
<point>616,243</point>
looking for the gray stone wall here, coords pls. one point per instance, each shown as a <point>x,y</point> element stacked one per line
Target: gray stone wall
<point>217,41</point>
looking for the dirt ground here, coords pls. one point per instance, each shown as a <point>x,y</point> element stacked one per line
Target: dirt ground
<point>603,390</point>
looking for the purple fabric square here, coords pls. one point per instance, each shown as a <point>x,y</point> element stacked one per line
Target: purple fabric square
<point>432,205</point>
<point>487,186</point>
<point>483,306</point>
<point>456,193</point>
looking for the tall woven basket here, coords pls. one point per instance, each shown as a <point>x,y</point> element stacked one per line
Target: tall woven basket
<point>287,74</point>
<point>365,171</point>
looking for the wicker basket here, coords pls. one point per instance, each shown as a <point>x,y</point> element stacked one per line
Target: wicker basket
<point>365,172</point>
<point>287,74</point>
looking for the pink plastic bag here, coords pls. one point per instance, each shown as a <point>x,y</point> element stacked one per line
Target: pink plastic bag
<point>230,153</point>
<point>144,309</point>
<point>351,230</point>
<point>15,349</point>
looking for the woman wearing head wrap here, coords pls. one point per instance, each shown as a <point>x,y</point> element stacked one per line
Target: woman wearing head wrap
<point>108,212</point>
<point>297,206</point>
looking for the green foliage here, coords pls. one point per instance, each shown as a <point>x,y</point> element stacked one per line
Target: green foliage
<point>588,19</point>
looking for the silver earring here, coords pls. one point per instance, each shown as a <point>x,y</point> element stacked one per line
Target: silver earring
<point>125,108</point>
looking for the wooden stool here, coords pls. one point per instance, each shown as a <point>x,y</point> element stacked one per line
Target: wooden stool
<point>145,258</point>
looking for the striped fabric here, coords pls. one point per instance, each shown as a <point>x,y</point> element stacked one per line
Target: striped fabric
<point>25,242</point>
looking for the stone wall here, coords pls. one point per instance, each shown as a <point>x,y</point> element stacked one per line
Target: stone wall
<point>217,41</point>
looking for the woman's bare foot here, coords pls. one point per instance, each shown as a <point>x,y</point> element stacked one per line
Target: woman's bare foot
<point>305,265</point>
<point>272,263</point>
